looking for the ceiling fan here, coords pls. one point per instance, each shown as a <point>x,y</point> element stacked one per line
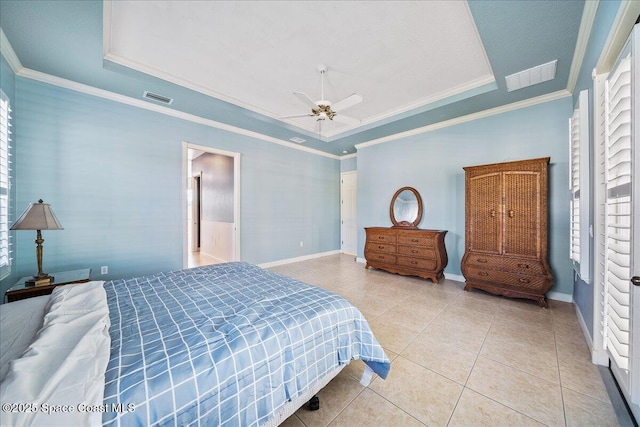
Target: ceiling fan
<point>323,109</point>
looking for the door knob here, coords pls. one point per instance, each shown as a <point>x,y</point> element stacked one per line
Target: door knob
<point>635,280</point>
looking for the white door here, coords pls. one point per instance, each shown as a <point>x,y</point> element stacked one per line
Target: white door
<point>621,251</point>
<point>348,228</point>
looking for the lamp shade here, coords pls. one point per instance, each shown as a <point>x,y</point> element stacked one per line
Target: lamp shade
<point>38,216</point>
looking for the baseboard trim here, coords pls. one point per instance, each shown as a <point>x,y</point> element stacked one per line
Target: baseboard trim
<point>297,259</point>
<point>559,296</point>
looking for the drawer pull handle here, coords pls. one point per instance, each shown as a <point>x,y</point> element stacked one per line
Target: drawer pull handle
<point>380,256</point>
<point>380,246</point>
<point>415,240</point>
<point>524,280</point>
<point>511,213</point>
<point>483,274</point>
<point>482,261</point>
<point>381,237</point>
<point>493,213</point>
<point>413,251</point>
<point>523,265</point>
<point>414,262</point>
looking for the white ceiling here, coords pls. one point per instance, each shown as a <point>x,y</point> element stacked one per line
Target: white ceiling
<point>398,55</point>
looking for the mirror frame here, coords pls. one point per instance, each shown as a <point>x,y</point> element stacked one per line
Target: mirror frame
<point>406,224</point>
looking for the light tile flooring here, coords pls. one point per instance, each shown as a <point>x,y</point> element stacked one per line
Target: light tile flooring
<point>197,259</point>
<point>458,358</point>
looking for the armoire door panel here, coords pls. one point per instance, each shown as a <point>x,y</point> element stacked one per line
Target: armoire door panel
<point>522,214</point>
<point>486,214</point>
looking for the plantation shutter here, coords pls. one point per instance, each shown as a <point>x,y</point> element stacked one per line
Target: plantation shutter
<point>579,179</point>
<point>574,184</point>
<point>618,212</point>
<point>5,144</point>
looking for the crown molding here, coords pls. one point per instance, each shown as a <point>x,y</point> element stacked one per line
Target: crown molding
<point>101,93</point>
<point>622,25</point>
<point>9,54</point>
<point>586,24</point>
<point>469,117</point>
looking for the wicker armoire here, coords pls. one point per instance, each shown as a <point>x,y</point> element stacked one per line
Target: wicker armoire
<point>506,229</point>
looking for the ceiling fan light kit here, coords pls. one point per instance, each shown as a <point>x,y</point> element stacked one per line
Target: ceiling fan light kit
<point>322,109</point>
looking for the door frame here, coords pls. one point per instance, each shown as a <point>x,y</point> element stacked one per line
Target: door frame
<point>236,198</point>
<point>342,231</point>
<point>196,210</point>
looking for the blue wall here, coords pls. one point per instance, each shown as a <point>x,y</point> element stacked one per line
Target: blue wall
<point>432,163</point>
<point>113,175</point>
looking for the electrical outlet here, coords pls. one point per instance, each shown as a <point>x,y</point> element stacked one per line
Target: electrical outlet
<point>104,269</point>
<point>301,243</point>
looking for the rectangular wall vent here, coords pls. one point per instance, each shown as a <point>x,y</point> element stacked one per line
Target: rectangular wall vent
<point>297,139</point>
<point>532,76</point>
<point>158,98</point>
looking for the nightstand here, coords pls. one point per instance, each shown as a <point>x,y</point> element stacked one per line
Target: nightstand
<point>20,291</point>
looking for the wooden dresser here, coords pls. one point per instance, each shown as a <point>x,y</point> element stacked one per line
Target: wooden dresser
<point>411,252</point>
<point>506,229</point>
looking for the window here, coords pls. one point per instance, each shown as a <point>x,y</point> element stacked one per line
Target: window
<point>579,186</point>
<point>5,185</point>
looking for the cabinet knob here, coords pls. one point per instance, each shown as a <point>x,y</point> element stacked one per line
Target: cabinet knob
<point>483,274</point>
<point>524,280</point>
<point>523,265</point>
<point>482,261</point>
<point>511,213</point>
<point>492,213</point>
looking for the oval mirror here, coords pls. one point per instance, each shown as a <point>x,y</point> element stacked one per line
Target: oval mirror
<point>406,208</point>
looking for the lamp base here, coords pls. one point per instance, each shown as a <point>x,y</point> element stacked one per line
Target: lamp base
<point>39,281</point>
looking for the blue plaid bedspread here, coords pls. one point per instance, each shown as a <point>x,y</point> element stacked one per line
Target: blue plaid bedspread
<point>227,344</point>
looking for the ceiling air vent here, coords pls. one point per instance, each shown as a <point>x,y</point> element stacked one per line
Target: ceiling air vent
<point>297,139</point>
<point>532,76</point>
<point>158,98</point>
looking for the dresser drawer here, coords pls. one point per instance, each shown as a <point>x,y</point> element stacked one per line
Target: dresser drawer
<point>380,257</point>
<point>426,241</point>
<point>381,247</point>
<point>521,266</point>
<point>417,251</point>
<point>381,238</point>
<point>503,277</point>
<point>423,264</point>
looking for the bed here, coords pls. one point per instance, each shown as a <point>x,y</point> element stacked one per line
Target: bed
<point>228,344</point>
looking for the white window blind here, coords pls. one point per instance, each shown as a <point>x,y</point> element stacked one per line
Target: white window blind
<point>617,239</point>
<point>574,184</point>
<point>5,163</point>
<point>579,187</point>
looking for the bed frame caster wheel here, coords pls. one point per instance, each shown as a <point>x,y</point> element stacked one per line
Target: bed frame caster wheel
<point>314,403</point>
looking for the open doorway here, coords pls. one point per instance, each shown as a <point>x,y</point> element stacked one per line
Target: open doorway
<point>211,206</point>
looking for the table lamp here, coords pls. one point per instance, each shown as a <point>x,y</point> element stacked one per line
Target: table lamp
<point>38,216</point>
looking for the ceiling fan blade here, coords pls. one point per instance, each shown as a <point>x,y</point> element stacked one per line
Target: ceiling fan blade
<point>349,101</point>
<point>295,116</point>
<point>346,120</point>
<point>304,98</point>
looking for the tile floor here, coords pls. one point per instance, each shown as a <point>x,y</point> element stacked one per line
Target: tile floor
<point>458,358</point>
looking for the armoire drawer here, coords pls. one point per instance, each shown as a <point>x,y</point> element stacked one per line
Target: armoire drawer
<point>503,277</point>
<point>423,264</point>
<point>514,265</point>
<point>417,251</point>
